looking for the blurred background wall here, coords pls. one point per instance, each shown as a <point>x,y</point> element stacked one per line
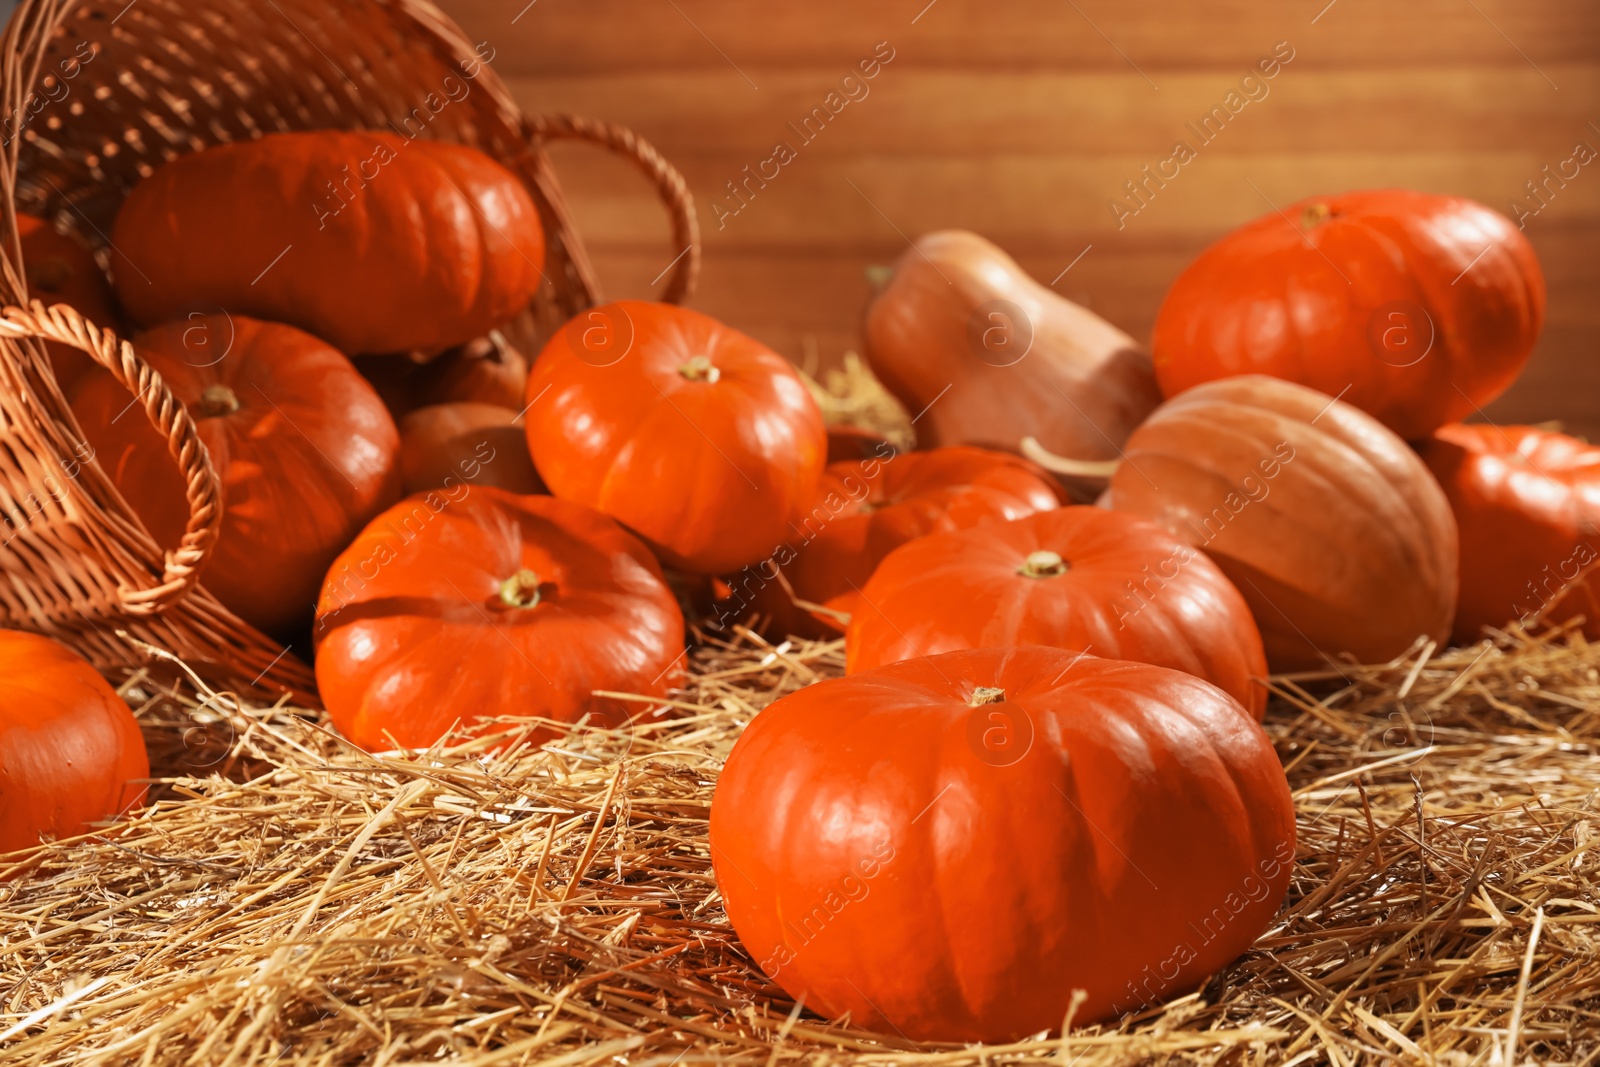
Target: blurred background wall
<point>1022,120</point>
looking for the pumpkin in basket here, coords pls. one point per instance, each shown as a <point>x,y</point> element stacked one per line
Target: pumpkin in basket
<point>703,441</point>
<point>70,750</point>
<point>372,241</point>
<point>988,356</point>
<point>1414,307</point>
<point>1528,505</point>
<point>1080,578</point>
<point>947,848</point>
<point>62,270</point>
<point>457,606</point>
<point>485,370</point>
<point>864,509</point>
<point>1329,525</point>
<point>446,445</point>
<point>304,448</point>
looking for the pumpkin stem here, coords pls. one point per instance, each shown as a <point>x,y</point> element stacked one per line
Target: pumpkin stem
<point>1315,214</point>
<point>1081,468</point>
<point>521,590</point>
<point>985,694</point>
<point>700,369</point>
<point>1043,564</point>
<point>217,401</point>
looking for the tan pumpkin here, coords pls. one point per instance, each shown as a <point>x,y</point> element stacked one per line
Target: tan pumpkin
<point>988,356</point>
<point>1330,525</point>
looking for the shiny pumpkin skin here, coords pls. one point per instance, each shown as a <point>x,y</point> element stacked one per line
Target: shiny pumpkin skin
<point>701,440</point>
<point>1527,502</point>
<point>942,334</point>
<point>306,457</point>
<point>417,631</point>
<point>463,443</point>
<point>483,371</point>
<point>865,509</point>
<point>386,243</point>
<point>951,872</point>
<point>1080,578</point>
<point>1342,293</point>
<point>1327,523</point>
<point>70,750</point>
<point>62,270</point>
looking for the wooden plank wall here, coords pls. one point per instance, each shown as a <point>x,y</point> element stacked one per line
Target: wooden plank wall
<point>1022,119</point>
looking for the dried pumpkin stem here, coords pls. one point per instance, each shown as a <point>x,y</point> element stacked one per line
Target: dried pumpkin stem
<point>1080,468</point>
<point>1314,215</point>
<point>699,369</point>
<point>216,401</point>
<point>521,590</point>
<point>985,694</point>
<point>1043,564</point>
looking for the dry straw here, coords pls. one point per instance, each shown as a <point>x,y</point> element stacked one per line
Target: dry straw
<point>290,900</point>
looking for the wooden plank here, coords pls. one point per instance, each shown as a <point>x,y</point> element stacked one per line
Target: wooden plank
<point>1023,201</point>
<point>749,40</point>
<point>924,112</point>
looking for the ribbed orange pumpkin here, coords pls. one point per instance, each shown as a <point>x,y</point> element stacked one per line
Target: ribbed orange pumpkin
<point>866,508</point>
<point>304,447</point>
<point>947,848</point>
<point>70,750</point>
<point>372,241</point>
<point>703,441</point>
<point>1414,307</point>
<point>1080,578</point>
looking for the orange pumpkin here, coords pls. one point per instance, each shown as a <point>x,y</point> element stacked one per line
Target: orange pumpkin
<point>70,750</point>
<point>698,438</point>
<point>1415,307</point>
<point>372,241</point>
<point>985,355</point>
<point>1528,505</point>
<point>485,370</point>
<point>1329,525</point>
<point>304,448</point>
<point>452,607</point>
<point>445,445</point>
<point>864,510</point>
<point>949,848</point>
<point>62,270</point>
<point>1080,578</point>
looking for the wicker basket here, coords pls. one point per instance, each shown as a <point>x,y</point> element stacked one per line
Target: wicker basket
<point>97,92</point>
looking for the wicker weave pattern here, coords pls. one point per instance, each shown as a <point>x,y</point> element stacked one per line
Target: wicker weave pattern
<point>99,92</point>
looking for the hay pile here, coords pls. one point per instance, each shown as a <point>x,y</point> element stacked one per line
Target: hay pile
<point>289,900</point>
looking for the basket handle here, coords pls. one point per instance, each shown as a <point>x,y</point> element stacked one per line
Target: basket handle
<point>202,487</point>
<point>669,183</point>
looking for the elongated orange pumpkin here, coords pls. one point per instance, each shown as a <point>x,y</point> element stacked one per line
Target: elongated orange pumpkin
<point>1080,578</point>
<point>70,750</point>
<point>1329,525</point>
<point>371,241</point>
<point>460,606</point>
<point>1528,504</point>
<point>947,848</point>
<point>703,441</point>
<point>304,447</point>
